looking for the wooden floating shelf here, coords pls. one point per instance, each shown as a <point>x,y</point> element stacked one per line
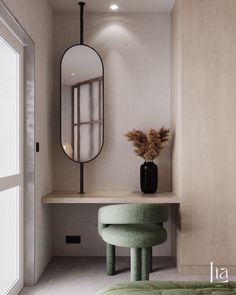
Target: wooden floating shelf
<point>107,197</point>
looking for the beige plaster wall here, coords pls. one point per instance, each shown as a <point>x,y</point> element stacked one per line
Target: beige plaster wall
<point>204,108</point>
<point>135,48</point>
<point>37,20</point>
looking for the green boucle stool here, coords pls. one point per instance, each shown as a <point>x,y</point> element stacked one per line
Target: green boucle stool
<point>137,226</point>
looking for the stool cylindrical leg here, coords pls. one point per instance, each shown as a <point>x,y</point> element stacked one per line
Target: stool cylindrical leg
<point>111,259</point>
<point>135,264</point>
<point>150,259</point>
<point>145,264</point>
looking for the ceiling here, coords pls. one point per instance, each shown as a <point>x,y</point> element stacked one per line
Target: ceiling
<point>103,5</point>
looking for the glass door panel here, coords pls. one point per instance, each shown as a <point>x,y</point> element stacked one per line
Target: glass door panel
<point>11,163</point>
<point>9,109</point>
<point>9,233</point>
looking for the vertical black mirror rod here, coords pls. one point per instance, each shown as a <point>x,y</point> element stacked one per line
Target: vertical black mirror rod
<point>81,4</point>
<point>81,178</point>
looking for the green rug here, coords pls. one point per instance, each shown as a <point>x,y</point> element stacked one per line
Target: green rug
<point>170,288</point>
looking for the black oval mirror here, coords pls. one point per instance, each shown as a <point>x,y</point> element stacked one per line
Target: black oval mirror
<point>82,103</point>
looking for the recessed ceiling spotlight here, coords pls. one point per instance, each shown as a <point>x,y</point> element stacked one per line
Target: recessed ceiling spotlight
<point>73,74</point>
<point>114,7</point>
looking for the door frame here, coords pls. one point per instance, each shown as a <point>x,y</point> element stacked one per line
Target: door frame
<point>29,140</point>
<point>17,180</point>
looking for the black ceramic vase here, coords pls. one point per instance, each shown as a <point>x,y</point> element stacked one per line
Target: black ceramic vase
<point>148,177</point>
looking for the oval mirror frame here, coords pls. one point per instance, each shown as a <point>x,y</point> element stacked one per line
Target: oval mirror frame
<point>86,86</point>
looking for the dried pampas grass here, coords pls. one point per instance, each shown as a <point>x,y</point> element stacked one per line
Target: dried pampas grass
<point>148,145</point>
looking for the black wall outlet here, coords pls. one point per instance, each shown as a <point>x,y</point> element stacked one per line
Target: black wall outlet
<point>73,239</point>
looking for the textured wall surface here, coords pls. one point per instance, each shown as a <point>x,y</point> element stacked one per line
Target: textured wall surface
<point>37,19</point>
<point>204,110</point>
<point>135,49</point>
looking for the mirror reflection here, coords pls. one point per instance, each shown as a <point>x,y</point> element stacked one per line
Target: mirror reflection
<point>81,103</point>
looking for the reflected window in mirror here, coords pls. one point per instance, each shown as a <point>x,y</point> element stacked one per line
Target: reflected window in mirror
<point>82,118</point>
